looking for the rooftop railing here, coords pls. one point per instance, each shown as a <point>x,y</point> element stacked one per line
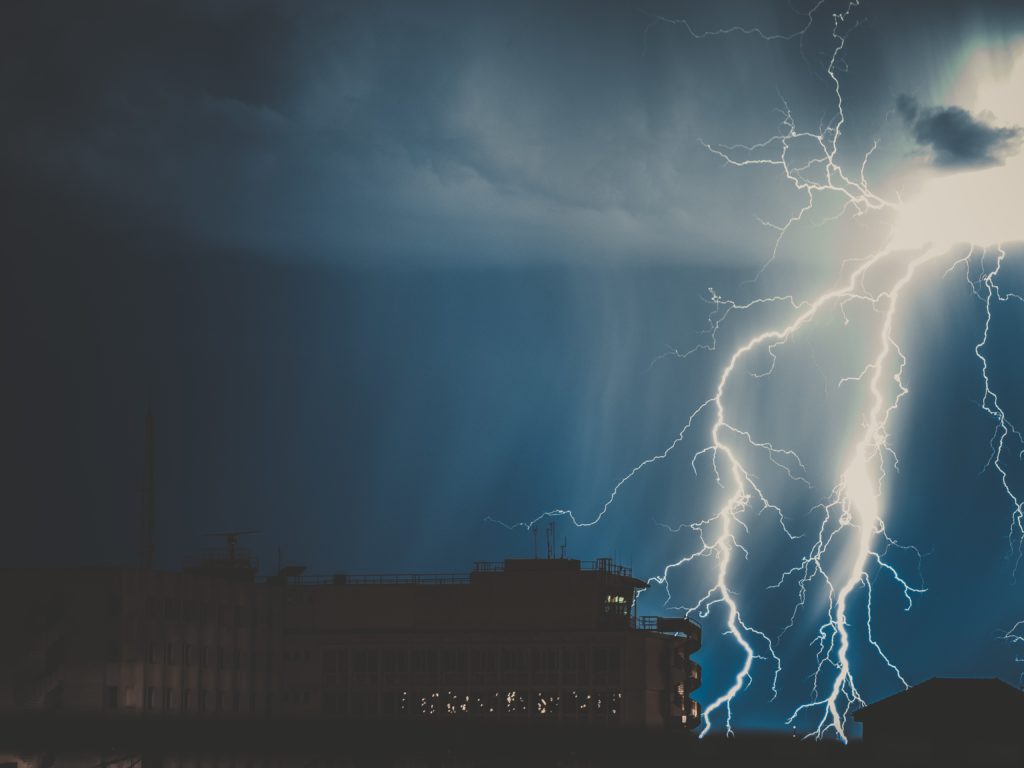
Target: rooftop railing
<point>668,624</point>
<point>602,565</point>
<point>382,578</point>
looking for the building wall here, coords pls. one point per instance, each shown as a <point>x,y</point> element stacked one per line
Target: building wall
<point>540,640</point>
<point>139,641</point>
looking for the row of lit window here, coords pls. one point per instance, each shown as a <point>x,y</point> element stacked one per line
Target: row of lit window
<point>550,703</point>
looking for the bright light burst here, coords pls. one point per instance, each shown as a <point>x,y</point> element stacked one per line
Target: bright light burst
<point>852,546</point>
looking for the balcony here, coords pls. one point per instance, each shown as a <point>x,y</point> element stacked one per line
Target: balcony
<point>674,625</point>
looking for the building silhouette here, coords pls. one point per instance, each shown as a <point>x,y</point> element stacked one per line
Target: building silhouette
<point>948,720</point>
<point>526,640</point>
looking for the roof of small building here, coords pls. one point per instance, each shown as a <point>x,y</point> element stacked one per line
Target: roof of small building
<point>940,690</point>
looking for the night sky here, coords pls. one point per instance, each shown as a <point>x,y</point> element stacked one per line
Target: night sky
<point>386,270</point>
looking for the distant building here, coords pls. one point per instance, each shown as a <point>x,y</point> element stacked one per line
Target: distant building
<point>942,715</point>
<point>524,640</point>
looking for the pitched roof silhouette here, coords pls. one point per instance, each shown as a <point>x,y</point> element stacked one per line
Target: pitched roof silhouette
<point>984,692</point>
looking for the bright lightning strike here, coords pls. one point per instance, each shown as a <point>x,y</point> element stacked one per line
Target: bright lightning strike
<point>852,545</point>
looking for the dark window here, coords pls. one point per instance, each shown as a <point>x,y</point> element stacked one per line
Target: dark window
<point>484,666</point>
<point>150,702</point>
<point>186,655</point>
<point>453,665</point>
<point>204,656</point>
<point>170,653</point>
<point>395,665</point>
<point>572,665</point>
<point>545,669</point>
<point>202,701</point>
<point>614,662</point>
<point>186,696</point>
<point>236,702</point>
<point>365,702</point>
<point>168,699</point>
<point>110,698</point>
<point>390,703</point>
<point>220,658</point>
<point>605,663</point>
<point>513,666</point>
<point>236,658</point>
<point>154,653</point>
<point>220,701</point>
<point>424,665</point>
<point>364,667</point>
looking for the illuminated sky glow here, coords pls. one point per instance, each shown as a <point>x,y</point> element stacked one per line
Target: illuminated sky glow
<point>389,270</point>
<point>976,207</point>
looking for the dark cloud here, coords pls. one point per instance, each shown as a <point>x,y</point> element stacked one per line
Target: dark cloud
<point>956,137</point>
<point>363,131</point>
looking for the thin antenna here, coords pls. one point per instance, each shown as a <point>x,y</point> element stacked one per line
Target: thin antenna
<point>148,546</point>
<point>231,539</point>
<point>550,540</point>
<point>565,542</point>
<point>534,531</point>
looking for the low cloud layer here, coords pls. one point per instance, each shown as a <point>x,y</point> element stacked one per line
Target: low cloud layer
<point>957,138</point>
<point>451,132</point>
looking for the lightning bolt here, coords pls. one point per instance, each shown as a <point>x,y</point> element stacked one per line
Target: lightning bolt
<point>853,547</point>
<point>986,289</point>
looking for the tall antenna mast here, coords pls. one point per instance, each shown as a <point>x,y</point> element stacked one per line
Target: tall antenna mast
<point>148,547</point>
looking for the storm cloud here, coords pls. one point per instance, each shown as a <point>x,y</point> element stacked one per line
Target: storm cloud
<point>957,138</point>
<point>368,132</point>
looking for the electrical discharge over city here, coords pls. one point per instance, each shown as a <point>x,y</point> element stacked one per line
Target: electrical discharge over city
<point>953,226</point>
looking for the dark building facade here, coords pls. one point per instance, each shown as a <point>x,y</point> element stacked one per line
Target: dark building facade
<point>551,640</point>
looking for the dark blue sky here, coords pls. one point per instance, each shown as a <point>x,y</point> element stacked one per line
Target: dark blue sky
<point>384,272</point>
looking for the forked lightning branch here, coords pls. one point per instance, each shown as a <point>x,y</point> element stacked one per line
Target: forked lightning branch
<point>851,547</point>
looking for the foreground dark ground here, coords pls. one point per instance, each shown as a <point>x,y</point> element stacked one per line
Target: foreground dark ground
<point>103,740</point>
